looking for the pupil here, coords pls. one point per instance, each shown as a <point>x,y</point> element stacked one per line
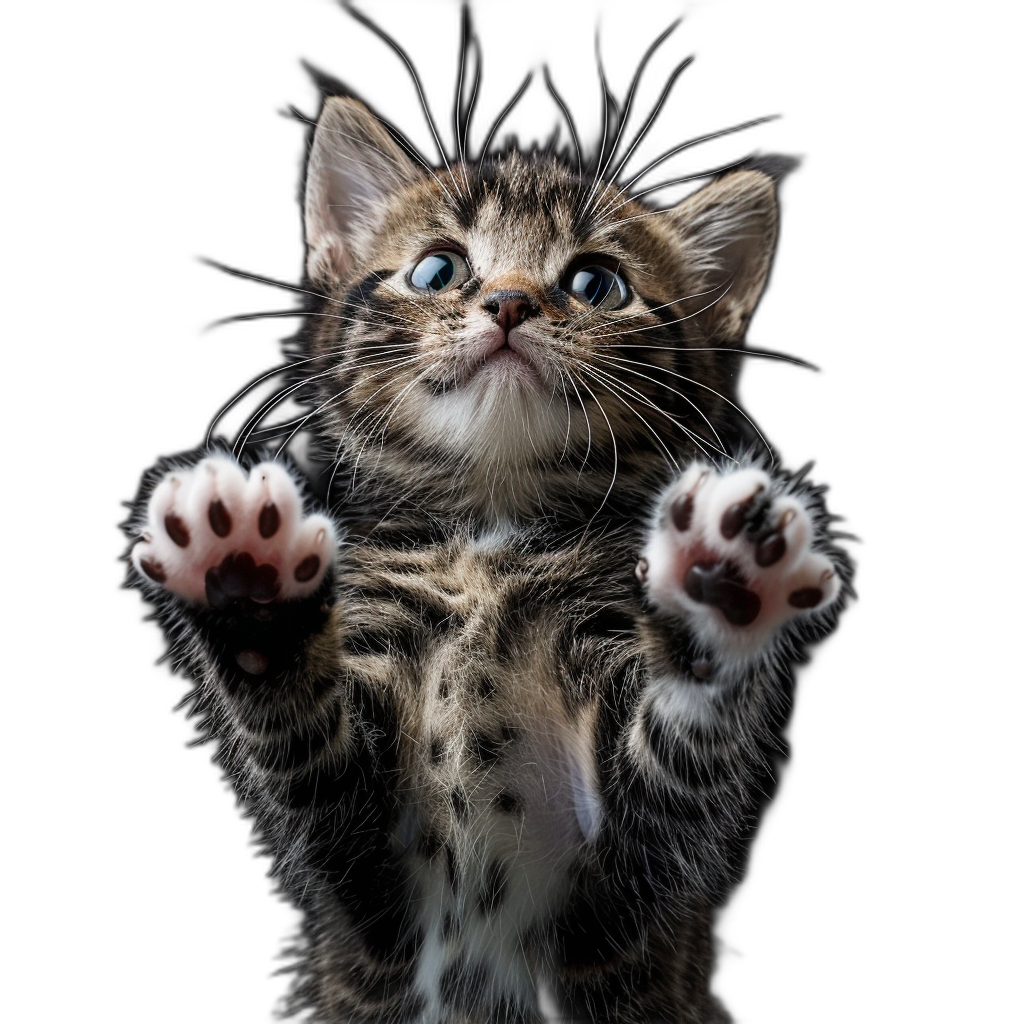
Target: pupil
<point>434,273</point>
<point>593,284</point>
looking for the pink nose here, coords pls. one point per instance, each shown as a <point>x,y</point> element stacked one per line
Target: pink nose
<point>509,308</point>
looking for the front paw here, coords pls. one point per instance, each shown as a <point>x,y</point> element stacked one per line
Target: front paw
<point>215,535</point>
<point>735,558</point>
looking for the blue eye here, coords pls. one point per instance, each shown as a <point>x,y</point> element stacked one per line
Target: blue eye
<point>438,271</point>
<point>598,286</point>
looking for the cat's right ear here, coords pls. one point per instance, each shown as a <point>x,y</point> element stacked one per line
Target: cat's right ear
<point>354,166</point>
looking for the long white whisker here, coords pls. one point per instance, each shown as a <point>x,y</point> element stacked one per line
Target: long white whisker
<point>303,313</point>
<point>654,309</point>
<point>651,50</point>
<point>579,211</point>
<point>611,387</point>
<point>718,394</point>
<point>372,429</point>
<point>760,353</point>
<point>586,417</point>
<point>696,438</point>
<point>458,91</point>
<point>650,120</point>
<point>334,398</point>
<point>615,451</point>
<point>259,279</point>
<point>271,403</point>
<point>668,323</point>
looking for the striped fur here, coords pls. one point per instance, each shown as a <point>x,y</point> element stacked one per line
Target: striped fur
<point>501,783</point>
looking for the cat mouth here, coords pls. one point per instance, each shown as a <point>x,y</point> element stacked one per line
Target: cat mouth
<point>505,358</point>
<point>506,354</point>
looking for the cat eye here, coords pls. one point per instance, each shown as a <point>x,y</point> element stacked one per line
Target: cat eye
<point>438,272</point>
<point>597,286</point>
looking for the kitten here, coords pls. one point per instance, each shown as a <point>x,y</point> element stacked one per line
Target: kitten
<point>504,687</point>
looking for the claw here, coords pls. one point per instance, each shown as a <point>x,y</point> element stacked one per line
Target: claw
<point>735,516</point>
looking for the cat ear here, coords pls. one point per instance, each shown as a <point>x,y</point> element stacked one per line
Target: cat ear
<point>354,166</point>
<point>728,230</point>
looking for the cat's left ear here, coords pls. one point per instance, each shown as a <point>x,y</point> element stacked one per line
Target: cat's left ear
<point>355,166</point>
<point>728,230</point>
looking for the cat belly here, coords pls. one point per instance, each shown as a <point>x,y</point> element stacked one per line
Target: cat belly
<point>504,820</point>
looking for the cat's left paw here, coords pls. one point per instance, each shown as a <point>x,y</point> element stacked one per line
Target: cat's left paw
<point>734,559</point>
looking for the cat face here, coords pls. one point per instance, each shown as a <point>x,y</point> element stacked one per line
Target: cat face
<point>511,310</point>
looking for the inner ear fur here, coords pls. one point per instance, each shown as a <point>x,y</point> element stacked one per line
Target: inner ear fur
<point>728,231</point>
<point>355,165</point>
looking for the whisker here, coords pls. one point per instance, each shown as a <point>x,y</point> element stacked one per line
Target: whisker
<point>614,328</point>
<point>244,435</point>
<point>746,350</point>
<point>260,279</point>
<point>603,165</point>
<point>457,105</point>
<point>242,392</point>
<point>617,388</point>
<point>286,313</point>
<point>690,143</point>
<point>504,113</point>
<point>242,438</point>
<point>615,453</point>
<point>648,400</point>
<point>382,35</point>
<point>609,110</point>
<point>459,126</point>
<point>586,417</point>
<point>696,176</point>
<point>370,429</point>
<point>650,120</point>
<point>718,394</point>
<point>568,118</point>
<point>330,401</point>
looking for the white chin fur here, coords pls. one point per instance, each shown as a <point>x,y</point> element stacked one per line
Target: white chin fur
<point>501,415</point>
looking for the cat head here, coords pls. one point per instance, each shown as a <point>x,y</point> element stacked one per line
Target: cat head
<point>514,309</point>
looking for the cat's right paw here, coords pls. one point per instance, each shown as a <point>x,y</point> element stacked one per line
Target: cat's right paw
<point>215,535</point>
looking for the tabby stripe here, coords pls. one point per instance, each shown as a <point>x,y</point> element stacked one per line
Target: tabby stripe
<point>674,751</point>
<point>435,614</point>
<point>385,984</point>
<point>402,641</point>
<point>360,294</point>
<point>304,745</point>
<point>349,842</point>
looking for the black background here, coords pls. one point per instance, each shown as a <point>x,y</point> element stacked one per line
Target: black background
<point>199,193</point>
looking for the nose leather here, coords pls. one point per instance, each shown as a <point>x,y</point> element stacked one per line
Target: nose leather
<point>509,308</point>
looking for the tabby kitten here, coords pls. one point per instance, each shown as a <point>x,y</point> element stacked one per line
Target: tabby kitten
<point>504,687</point>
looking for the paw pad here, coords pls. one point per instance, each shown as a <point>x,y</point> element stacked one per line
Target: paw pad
<point>215,535</point>
<point>733,558</point>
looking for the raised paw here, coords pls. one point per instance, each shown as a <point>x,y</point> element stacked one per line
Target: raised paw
<point>734,558</point>
<point>215,535</point>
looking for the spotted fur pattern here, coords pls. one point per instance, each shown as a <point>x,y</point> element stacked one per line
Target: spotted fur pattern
<point>504,775</point>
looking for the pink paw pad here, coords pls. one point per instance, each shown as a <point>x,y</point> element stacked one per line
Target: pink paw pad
<point>215,534</point>
<point>734,559</point>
